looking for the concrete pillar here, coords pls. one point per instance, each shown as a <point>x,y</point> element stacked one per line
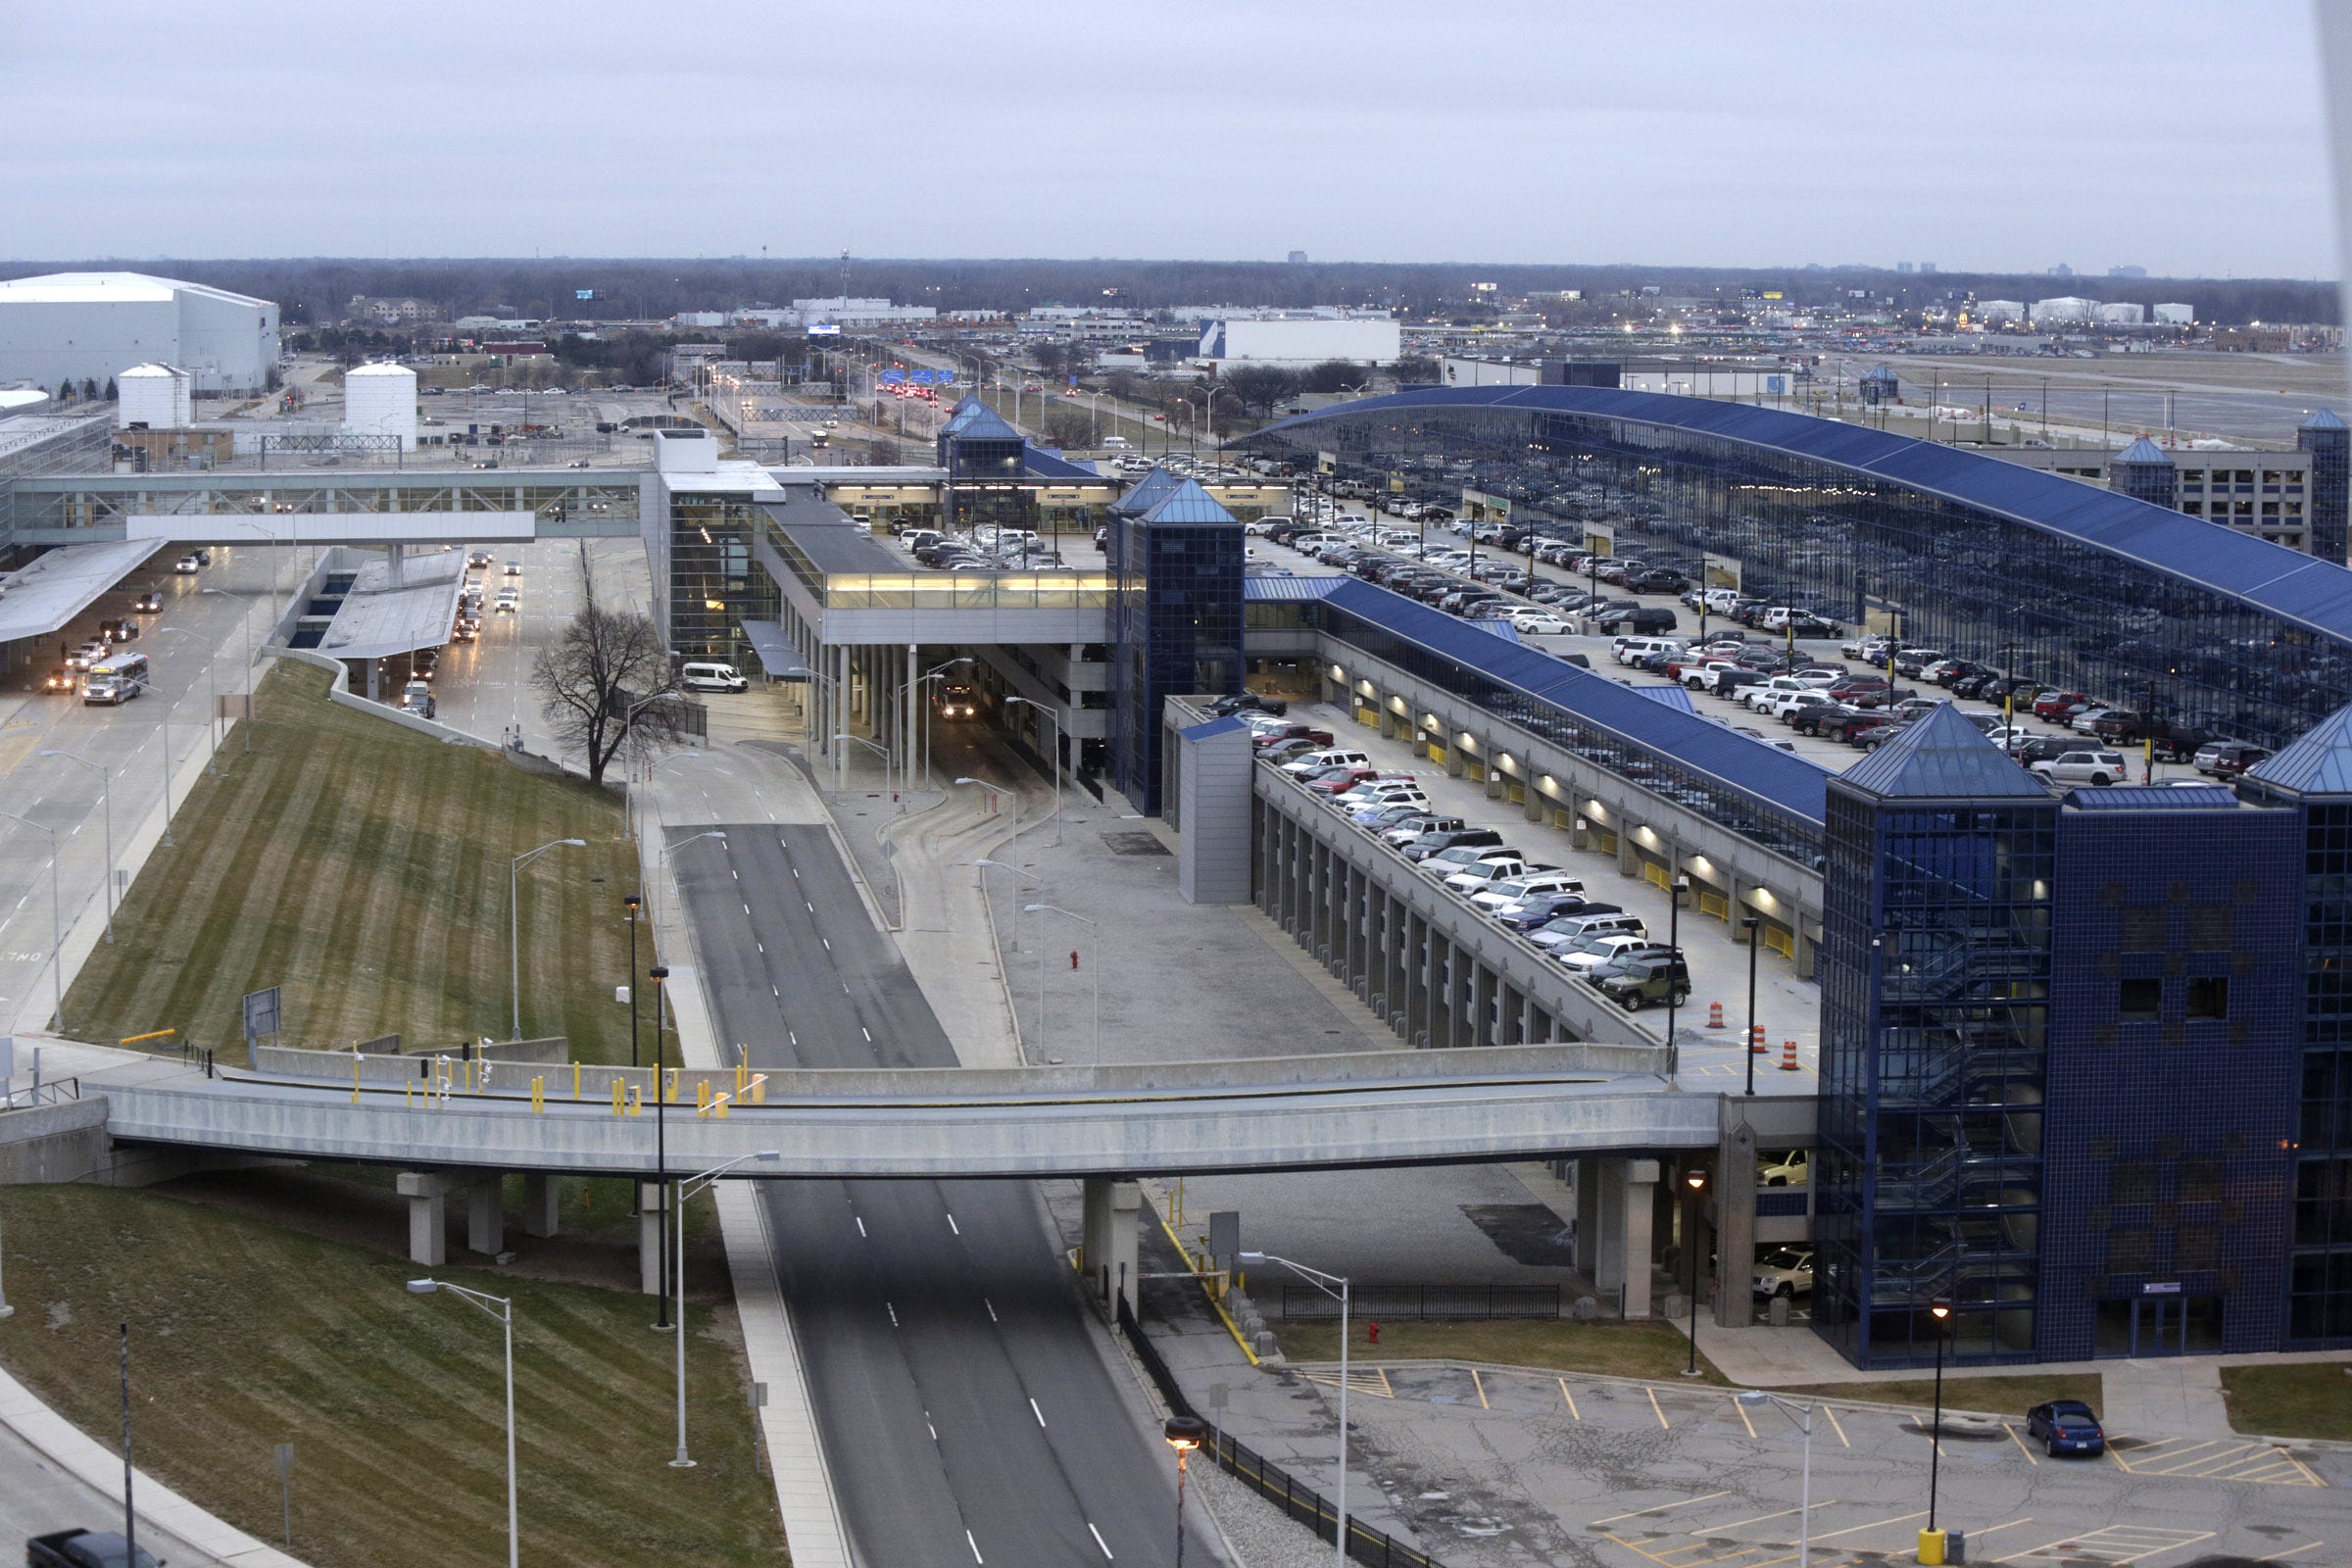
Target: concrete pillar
<point>1806,947</point>
<point>1107,1248</point>
<point>1608,1252</point>
<point>486,1216</point>
<point>1740,909</point>
<point>1538,805</point>
<point>1485,986</point>
<point>1588,1215</point>
<point>1580,832</point>
<point>1629,854</point>
<point>1456,765</point>
<point>395,566</point>
<point>1641,1209</point>
<point>427,1192</point>
<point>1735,1190</point>
<point>539,1189</point>
<point>650,1217</point>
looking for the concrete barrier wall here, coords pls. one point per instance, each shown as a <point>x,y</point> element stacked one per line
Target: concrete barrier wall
<point>339,693</point>
<point>295,1061</point>
<point>66,1142</point>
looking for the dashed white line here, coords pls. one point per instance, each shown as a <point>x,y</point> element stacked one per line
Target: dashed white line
<point>869,1033</point>
<point>761,946</point>
<point>928,1426</point>
<point>810,908</point>
<point>1035,1411</point>
<point>747,908</point>
<point>860,1220</point>
<point>975,1546</point>
<point>951,1225</point>
<point>828,942</point>
<point>894,1314</point>
<point>1100,1541</point>
<point>991,1309</point>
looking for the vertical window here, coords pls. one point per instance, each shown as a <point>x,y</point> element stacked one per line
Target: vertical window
<point>2139,1001</point>
<point>2207,997</point>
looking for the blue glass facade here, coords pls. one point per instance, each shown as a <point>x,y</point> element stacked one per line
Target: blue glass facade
<point>2329,444</point>
<point>2084,604</point>
<point>1176,629</point>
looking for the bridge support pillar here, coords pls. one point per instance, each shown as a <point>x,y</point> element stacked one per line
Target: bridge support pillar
<point>539,1203</point>
<point>1640,1213</point>
<point>1732,1195</point>
<point>650,1214</point>
<point>486,1216</point>
<point>1112,1212</point>
<point>427,1192</point>
<point>1587,1216</point>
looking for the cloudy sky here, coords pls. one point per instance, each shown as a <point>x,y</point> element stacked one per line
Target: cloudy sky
<point>1989,134</point>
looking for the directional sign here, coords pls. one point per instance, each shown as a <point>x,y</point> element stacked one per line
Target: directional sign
<point>260,1013</point>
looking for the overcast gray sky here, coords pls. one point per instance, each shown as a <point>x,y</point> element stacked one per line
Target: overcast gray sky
<point>1973,134</point>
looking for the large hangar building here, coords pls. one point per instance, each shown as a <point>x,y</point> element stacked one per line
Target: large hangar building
<point>93,326</point>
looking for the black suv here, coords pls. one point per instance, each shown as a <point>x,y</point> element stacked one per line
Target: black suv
<point>1429,843</point>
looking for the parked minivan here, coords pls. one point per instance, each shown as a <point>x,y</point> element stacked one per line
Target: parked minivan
<point>701,677</point>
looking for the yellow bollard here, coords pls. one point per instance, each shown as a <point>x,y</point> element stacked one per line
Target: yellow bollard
<point>539,1096</point>
<point>354,1077</point>
<point>742,1073</point>
<point>575,1080</point>
<point>1932,1545</point>
<point>701,1094</point>
<point>408,1092</point>
<point>619,1098</point>
<point>718,1107</point>
<point>760,1090</point>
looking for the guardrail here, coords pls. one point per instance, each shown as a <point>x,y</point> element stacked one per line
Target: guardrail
<point>1301,1502</point>
<point>48,1092</point>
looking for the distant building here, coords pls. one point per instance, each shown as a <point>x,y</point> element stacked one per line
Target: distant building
<point>92,326</point>
<point>699,321</point>
<point>1374,340</point>
<point>2123,313</point>
<point>159,397</point>
<point>2127,272</point>
<point>369,310</point>
<point>1298,258</point>
<point>2063,310</point>
<point>2298,499</point>
<point>2173,314</point>
<point>1991,312</point>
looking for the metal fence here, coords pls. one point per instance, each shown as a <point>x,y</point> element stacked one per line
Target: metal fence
<point>1303,1303</point>
<point>1374,1548</point>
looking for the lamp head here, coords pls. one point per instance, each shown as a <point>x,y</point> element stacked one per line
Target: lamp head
<point>1185,1433</point>
<point>1251,1257</point>
<point>967,781</point>
<point>659,971</point>
<point>632,903</point>
<point>1749,922</point>
<point>1696,1180</point>
<point>577,843</point>
<point>769,1154</point>
<point>423,1287</point>
<point>1940,1310</point>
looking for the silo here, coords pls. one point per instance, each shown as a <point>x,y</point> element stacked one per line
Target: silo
<point>381,400</point>
<point>161,397</point>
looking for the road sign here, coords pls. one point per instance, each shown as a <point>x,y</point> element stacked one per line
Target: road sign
<point>260,1013</point>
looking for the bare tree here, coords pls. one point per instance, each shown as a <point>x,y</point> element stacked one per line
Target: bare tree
<point>605,682</point>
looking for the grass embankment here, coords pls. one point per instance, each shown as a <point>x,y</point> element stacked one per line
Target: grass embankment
<point>364,868</point>
<point>2307,1400</point>
<point>245,1335</point>
<point>1556,1344</point>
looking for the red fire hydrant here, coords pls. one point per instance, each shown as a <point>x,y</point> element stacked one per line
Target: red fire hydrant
<point>1073,961</point>
<point>1372,1333</point>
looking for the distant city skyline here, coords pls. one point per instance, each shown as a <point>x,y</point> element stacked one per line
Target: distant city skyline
<point>1689,134</point>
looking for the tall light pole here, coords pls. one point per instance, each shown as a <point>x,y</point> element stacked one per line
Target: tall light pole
<point>57,968</point>
<point>1052,756</point>
<point>515,925</point>
<point>106,796</point>
<point>502,1308</point>
<point>686,1189</point>
<point>1941,1313</point>
<point>1012,844</point>
<point>1751,924</point>
<point>1333,1285</point>
<point>1185,1433</point>
<point>1054,908</point>
<point>1673,942</point>
<point>211,729</point>
<point>1696,1179</point>
<point>633,902</point>
<point>1802,1416</point>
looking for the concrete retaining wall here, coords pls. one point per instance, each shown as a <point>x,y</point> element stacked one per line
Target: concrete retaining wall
<point>66,1142</point>
<point>339,693</point>
<point>294,1062</point>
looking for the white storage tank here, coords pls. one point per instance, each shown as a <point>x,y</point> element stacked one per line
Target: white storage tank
<point>381,400</point>
<point>161,397</point>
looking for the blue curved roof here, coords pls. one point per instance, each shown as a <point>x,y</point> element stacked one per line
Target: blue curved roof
<point>2272,578</point>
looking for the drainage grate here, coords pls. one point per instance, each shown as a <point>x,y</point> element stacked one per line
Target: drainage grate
<point>1134,844</point>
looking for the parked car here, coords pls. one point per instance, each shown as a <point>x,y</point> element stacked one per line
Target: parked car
<point>2059,706</point>
<point>1249,700</point>
<point>1456,857</point>
<point>416,697</point>
<point>1437,843</point>
<point>1270,735</point>
<point>1635,982</point>
<point>84,1548</point>
<point>1785,1271</point>
<point>2083,767</point>
<point>2227,758</point>
<point>1540,909</point>
<point>1402,833</point>
<point>1539,882</point>
<point>1314,762</point>
<point>2065,1425</point>
<point>1538,623</point>
<point>1589,956</point>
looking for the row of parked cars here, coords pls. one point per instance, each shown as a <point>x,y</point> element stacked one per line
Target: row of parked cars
<point>1602,944</point>
<point>1462,582</point>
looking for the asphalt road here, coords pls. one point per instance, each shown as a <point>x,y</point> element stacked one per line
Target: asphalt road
<point>967,1413</point>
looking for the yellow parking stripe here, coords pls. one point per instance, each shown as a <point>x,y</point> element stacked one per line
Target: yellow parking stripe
<point>1480,1384</point>
<point>2292,1551</point>
<point>1743,1420</point>
<point>1573,1413</point>
<point>1832,1413</point>
<point>1663,1508</point>
<point>2020,1443</point>
<point>1855,1530</point>
<point>1654,1406</point>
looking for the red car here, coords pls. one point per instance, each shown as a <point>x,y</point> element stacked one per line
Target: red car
<point>1340,780</point>
<point>2060,705</point>
<point>1275,734</point>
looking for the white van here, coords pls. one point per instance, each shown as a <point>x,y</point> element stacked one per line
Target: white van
<point>711,678</point>
<point>1116,443</point>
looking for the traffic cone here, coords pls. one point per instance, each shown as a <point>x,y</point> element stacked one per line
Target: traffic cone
<point>1788,1055</point>
<point>1714,1014</point>
<point>1755,1040</point>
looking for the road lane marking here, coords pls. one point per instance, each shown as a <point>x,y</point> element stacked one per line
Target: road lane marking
<point>951,1225</point>
<point>928,1427</point>
<point>2292,1551</point>
<point>747,908</point>
<point>1035,1411</point>
<point>1105,1546</point>
<point>1654,1406</point>
<point>975,1546</point>
<point>1762,1517</point>
<point>761,946</point>
<point>893,1311</point>
<point>811,907</point>
<point>2020,1443</point>
<point>991,1309</point>
<point>869,1033</point>
<point>1574,1414</point>
<point>1480,1384</point>
<point>828,942</point>
<point>1645,1513</point>
<point>860,1220</point>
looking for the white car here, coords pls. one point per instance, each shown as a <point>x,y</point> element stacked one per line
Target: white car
<point>1528,885</point>
<point>1785,1271</point>
<point>1538,624</point>
<point>2084,768</point>
<point>510,601</point>
<point>1592,954</point>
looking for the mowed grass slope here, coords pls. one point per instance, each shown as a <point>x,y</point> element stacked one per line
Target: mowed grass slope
<point>364,868</point>
<point>244,1335</point>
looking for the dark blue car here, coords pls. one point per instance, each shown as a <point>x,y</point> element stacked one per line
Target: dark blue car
<point>2065,1425</point>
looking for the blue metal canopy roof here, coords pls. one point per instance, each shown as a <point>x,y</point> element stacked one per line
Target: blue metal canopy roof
<point>1187,502</point>
<point>2199,797</point>
<point>1046,464</point>
<point>2322,419</point>
<point>2269,577</point>
<point>2318,761</point>
<point>1148,493</point>
<point>1271,590</point>
<point>1942,758</point>
<point>975,419</point>
<point>2148,451</point>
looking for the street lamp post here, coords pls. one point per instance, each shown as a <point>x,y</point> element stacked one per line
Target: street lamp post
<point>1052,754</point>
<point>57,968</point>
<point>1054,908</point>
<point>515,925</point>
<point>1012,845</point>
<point>1940,1312</point>
<point>247,619</point>
<point>633,902</point>
<point>1673,942</point>
<point>1802,1416</point>
<point>1694,1178</point>
<point>106,796</point>
<point>1185,1433</point>
<point>686,1189</point>
<point>502,1308</point>
<point>1333,1285</point>
<point>1749,924</point>
<point>842,759</point>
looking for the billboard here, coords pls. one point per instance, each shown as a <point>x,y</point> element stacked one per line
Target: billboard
<point>1722,571</point>
<point>583,293</point>
<point>1327,462</point>
<point>1601,538</point>
<point>824,329</point>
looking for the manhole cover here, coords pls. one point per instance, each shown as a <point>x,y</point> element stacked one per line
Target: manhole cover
<point>1134,844</point>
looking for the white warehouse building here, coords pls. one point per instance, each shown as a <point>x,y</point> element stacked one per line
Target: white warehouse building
<point>92,326</point>
<point>1365,339</point>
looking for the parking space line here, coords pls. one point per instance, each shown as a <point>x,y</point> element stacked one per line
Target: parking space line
<point>1663,1423</point>
<point>1574,1413</point>
<point>1843,1440</point>
<point>2292,1551</point>
<point>1855,1530</point>
<point>1827,1502</point>
<point>1480,1384</point>
<point>2135,1540</point>
<point>2020,1443</point>
<point>1645,1513</point>
<point>1741,1410</point>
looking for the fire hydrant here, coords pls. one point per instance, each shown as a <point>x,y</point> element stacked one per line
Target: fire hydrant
<point>1073,961</point>
<point>1372,1333</point>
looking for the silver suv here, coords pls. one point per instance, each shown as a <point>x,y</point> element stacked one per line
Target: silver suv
<point>2084,768</point>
